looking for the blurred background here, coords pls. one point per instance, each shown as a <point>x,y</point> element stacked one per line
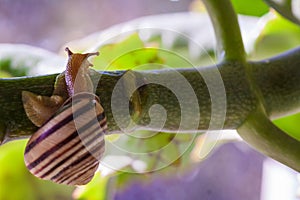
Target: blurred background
<point>50,24</point>
<point>233,171</point>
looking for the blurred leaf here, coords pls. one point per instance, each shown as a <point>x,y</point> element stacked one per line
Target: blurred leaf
<point>122,180</point>
<point>4,74</point>
<point>127,54</point>
<point>132,53</point>
<point>7,67</point>
<point>290,125</point>
<point>94,190</point>
<point>21,60</point>
<point>278,36</point>
<point>17,183</point>
<point>148,151</point>
<point>178,58</point>
<point>290,9</point>
<point>250,7</point>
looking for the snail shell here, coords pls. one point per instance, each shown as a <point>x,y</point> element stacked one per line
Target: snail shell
<point>66,149</point>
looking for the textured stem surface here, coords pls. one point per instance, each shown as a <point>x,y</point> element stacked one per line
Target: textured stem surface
<point>277,79</point>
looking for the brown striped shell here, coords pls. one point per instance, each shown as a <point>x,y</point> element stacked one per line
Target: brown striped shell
<point>66,149</point>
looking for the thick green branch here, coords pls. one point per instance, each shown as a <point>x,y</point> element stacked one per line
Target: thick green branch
<point>229,40</point>
<point>278,80</point>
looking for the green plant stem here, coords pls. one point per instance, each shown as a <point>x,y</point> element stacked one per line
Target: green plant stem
<point>278,80</point>
<point>264,136</point>
<point>273,88</point>
<point>230,45</point>
<point>258,130</point>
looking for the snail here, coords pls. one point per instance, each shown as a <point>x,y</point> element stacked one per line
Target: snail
<point>69,143</point>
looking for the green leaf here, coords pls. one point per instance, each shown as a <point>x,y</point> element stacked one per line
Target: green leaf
<point>122,180</point>
<point>289,9</point>
<point>133,53</point>
<point>290,125</point>
<point>7,69</point>
<point>127,54</point>
<point>4,74</point>
<point>250,7</point>
<point>21,60</point>
<point>279,35</point>
<point>17,183</point>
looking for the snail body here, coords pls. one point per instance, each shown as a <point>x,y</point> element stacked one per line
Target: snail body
<point>67,147</point>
